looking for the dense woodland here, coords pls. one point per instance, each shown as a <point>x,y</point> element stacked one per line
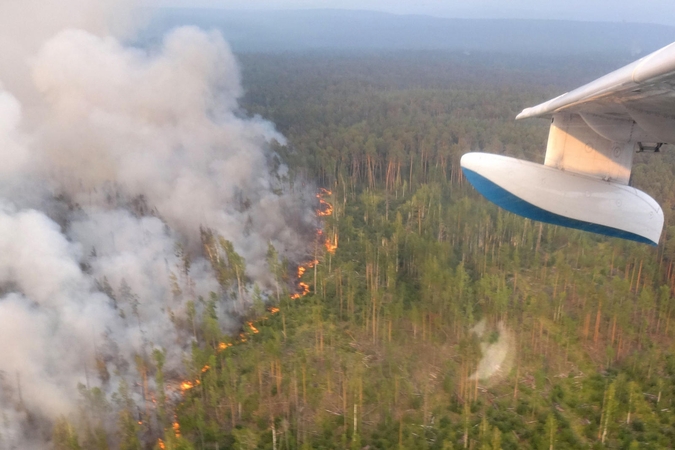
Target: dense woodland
<point>418,279</point>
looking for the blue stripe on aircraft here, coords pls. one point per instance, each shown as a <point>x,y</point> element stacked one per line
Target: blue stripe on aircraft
<point>517,205</point>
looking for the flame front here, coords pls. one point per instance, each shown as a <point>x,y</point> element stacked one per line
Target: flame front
<point>331,244</point>
<point>326,209</point>
<point>329,241</point>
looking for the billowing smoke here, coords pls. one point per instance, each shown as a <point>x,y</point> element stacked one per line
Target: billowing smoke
<point>112,159</point>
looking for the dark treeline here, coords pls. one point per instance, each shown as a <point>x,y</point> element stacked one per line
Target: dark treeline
<point>571,333</point>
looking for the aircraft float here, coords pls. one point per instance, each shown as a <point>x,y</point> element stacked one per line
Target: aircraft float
<point>595,130</point>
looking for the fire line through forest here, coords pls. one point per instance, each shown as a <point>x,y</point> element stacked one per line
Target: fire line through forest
<point>302,289</point>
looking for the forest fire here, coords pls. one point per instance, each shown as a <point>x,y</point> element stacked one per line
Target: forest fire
<point>186,385</point>
<point>331,245</point>
<point>223,345</point>
<point>304,290</point>
<point>301,286</point>
<point>325,208</point>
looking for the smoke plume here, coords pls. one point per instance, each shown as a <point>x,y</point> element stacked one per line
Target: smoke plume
<point>111,161</point>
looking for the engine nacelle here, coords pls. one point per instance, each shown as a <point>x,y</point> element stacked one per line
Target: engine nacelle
<point>565,198</point>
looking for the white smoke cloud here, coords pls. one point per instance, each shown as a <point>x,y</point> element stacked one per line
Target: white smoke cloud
<point>49,313</point>
<point>111,157</point>
<point>13,154</point>
<point>25,25</point>
<point>498,352</point>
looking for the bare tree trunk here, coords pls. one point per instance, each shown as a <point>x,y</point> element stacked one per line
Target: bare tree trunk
<point>596,334</point>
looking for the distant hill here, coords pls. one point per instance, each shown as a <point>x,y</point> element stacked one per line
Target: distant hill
<point>301,30</point>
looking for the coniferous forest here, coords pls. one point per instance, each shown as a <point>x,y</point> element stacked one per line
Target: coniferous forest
<point>425,317</point>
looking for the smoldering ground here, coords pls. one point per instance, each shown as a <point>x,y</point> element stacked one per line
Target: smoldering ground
<point>111,159</point>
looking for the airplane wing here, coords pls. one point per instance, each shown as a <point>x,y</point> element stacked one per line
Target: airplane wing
<point>594,132</point>
<point>642,92</point>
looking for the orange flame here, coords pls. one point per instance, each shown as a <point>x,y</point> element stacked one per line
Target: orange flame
<point>325,208</point>
<point>223,345</point>
<point>254,329</point>
<point>186,385</point>
<point>205,368</point>
<point>176,428</point>
<point>160,444</point>
<point>303,287</point>
<point>331,246</point>
<point>273,309</point>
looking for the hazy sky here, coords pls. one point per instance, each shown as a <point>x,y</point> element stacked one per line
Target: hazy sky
<point>654,11</point>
